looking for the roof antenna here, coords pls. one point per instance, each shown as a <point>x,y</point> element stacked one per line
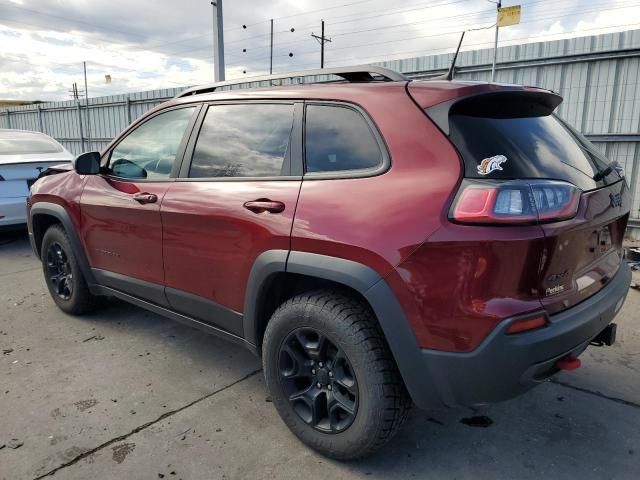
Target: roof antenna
<point>449,75</point>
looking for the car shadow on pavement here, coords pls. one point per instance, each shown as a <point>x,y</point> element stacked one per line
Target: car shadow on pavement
<point>554,431</point>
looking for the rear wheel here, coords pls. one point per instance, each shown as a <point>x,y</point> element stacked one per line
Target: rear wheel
<point>65,281</point>
<point>331,375</point>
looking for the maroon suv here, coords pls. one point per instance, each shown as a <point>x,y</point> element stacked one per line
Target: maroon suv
<point>375,240</point>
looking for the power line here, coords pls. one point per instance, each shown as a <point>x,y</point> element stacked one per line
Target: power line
<point>449,49</point>
<point>480,14</point>
<point>431,19</point>
<point>457,31</point>
<point>70,20</point>
<point>298,30</point>
<point>359,17</point>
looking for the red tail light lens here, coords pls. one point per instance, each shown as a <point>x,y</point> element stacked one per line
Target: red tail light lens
<point>515,201</point>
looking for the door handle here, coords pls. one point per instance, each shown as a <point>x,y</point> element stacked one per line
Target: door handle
<point>264,205</point>
<point>144,198</point>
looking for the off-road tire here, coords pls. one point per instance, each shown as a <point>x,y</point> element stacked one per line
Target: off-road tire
<point>382,402</point>
<point>81,300</point>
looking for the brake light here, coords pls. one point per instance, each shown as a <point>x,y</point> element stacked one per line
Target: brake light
<point>515,201</point>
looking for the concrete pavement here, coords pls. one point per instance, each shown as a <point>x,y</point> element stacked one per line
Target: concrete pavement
<point>124,393</point>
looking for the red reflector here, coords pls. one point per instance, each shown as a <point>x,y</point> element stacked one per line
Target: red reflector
<point>568,363</point>
<point>527,324</point>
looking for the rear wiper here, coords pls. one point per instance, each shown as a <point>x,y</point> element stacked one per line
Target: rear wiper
<point>612,166</point>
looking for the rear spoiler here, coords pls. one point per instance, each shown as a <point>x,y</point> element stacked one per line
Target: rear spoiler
<point>497,104</point>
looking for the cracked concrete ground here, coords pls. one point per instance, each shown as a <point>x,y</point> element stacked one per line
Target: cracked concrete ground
<point>126,394</point>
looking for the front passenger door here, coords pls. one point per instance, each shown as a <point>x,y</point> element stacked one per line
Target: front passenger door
<point>120,208</point>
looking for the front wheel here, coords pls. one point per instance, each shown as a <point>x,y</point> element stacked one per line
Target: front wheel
<point>66,284</point>
<point>331,375</point>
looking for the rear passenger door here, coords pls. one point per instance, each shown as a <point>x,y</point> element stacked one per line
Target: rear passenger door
<point>235,198</point>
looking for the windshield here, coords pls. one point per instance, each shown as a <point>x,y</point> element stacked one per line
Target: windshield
<point>527,147</point>
<point>24,144</point>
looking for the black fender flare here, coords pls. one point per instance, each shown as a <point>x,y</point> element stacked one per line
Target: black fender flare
<point>369,284</point>
<point>58,212</point>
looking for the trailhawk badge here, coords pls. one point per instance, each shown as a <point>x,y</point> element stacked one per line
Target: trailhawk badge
<point>490,164</point>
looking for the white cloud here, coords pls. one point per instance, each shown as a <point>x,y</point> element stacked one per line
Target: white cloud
<point>152,44</point>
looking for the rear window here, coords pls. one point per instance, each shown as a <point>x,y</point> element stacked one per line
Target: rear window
<point>28,144</point>
<point>526,147</point>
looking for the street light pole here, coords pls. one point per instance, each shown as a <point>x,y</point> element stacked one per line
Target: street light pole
<point>271,51</point>
<point>495,45</point>
<point>218,42</point>
<point>86,99</point>
<point>322,47</point>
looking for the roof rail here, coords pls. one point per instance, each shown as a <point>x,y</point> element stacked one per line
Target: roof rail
<point>360,73</point>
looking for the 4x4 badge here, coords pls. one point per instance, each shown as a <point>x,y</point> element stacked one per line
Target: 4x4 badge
<point>490,164</point>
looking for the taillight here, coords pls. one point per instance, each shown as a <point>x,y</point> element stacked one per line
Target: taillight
<point>515,201</point>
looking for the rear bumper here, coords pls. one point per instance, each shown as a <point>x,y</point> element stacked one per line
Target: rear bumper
<point>504,366</point>
<point>13,211</point>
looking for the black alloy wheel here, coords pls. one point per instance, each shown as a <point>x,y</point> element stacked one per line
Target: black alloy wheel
<point>59,272</point>
<point>318,380</point>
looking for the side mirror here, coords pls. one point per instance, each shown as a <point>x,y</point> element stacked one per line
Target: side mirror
<point>87,163</point>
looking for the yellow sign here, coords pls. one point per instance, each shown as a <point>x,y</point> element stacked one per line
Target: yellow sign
<point>509,16</point>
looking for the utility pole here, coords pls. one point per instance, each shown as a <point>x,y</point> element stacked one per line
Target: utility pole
<point>495,45</point>
<point>76,96</point>
<point>322,40</point>
<point>86,99</point>
<point>271,51</point>
<point>75,93</point>
<point>218,42</point>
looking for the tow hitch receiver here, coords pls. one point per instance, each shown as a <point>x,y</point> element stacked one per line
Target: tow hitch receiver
<point>606,336</point>
<point>568,363</point>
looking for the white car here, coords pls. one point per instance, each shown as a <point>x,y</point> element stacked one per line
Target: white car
<point>23,156</point>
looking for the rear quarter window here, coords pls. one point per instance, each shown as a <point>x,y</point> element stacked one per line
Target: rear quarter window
<point>338,139</point>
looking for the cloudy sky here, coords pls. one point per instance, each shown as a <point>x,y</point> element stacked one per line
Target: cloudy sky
<point>148,44</point>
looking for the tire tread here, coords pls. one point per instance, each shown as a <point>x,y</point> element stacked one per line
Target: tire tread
<point>362,330</point>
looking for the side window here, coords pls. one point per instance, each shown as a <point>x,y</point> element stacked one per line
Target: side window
<point>149,151</point>
<point>250,140</point>
<point>338,138</point>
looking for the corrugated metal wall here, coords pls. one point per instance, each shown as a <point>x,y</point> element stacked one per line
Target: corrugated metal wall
<point>598,77</point>
<point>79,130</point>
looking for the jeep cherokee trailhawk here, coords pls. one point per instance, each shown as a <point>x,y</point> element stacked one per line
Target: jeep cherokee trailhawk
<point>379,242</point>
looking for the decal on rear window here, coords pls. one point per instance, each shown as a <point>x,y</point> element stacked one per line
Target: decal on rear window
<point>490,164</point>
